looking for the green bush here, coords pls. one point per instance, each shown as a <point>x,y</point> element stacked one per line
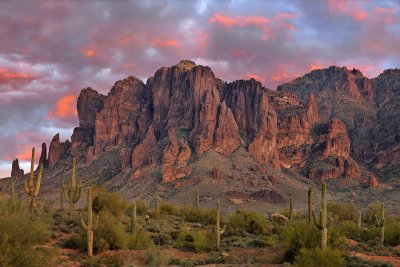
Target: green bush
<point>141,240</point>
<point>349,229</point>
<point>141,207</point>
<point>342,211</point>
<point>194,240</point>
<point>169,209</point>
<point>112,260</point>
<point>374,209</point>
<point>110,202</point>
<point>111,231</point>
<point>247,221</point>
<point>392,231</point>
<point>17,237</point>
<point>317,257</point>
<point>353,261</point>
<point>198,215</point>
<point>155,258</point>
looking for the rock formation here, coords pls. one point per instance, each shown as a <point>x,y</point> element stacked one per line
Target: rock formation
<point>16,172</point>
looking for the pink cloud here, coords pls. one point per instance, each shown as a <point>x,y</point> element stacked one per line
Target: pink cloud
<point>254,76</point>
<point>165,43</point>
<point>349,8</point>
<point>258,22</point>
<point>65,108</point>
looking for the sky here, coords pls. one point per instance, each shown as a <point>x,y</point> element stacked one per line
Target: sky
<point>50,50</point>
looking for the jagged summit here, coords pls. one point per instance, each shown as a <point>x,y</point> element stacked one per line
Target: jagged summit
<point>186,64</point>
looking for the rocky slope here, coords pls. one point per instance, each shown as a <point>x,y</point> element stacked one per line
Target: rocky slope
<point>184,127</point>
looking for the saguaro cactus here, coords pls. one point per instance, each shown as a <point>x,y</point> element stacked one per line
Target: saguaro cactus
<point>359,223</point>
<point>197,199</point>
<point>133,218</point>
<point>218,230</point>
<point>291,207</point>
<point>91,225</point>
<point>157,205</point>
<point>310,208</point>
<point>62,192</point>
<point>380,223</point>
<point>74,193</point>
<point>12,188</point>
<point>321,225</point>
<point>29,185</point>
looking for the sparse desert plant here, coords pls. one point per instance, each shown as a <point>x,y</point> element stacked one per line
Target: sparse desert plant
<point>380,223</point>
<point>169,209</point>
<point>197,205</point>
<point>74,193</point>
<point>194,240</point>
<point>322,224</point>
<point>140,240</point>
<point>218,230</point>
<point>310,207</point>
<point>392,231</point>
<point>342,211</point>
<point>30,189</point>
<point>200,215</point>
<point>110,233</point>
<point>133,218</point>
<point>250,222</point>
<point>291,207</point>
<point>155,258</point>
<point>91,225</point>
<point>110,202</point>
<point>62,193</point>
<point>19,238</point>
<point>317,257</point>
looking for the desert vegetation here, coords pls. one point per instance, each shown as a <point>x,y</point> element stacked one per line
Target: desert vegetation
<point>110,231</point>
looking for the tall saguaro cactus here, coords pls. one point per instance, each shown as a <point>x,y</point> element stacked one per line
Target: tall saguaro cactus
<point>12,188</point>
<point>197,199</point>
<point>359,223</point>
<point>91,225</point>
<point>74,193</point>
<point>31,190</point>
<point>218,230</point>
<point>133,218</point>
<point>321,225</point>
<point>310,208</point>
<point>62,192</point>
<point>157,205</point>
<point>291,207</point>
<point>380,223</point>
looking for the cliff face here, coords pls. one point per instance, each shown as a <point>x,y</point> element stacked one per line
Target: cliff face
<point>317,124</point>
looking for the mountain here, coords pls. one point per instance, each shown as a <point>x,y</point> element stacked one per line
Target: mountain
<point>246,144</point>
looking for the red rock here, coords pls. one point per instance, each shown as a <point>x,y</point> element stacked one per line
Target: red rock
<point>43,156</point>
<point>55,150</point>
<point>254,182</point>
<point>16,172</point>
<point>338,142</point>
<point>141,153</point>
<point>127,159</point>
<point>216,174</point>
<point>226,135</point>
<point>373,182</point>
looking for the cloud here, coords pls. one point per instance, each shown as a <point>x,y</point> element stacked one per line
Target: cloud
<point>43,68</point>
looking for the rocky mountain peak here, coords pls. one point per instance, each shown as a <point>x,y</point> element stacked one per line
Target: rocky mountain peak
<point>186,65</point>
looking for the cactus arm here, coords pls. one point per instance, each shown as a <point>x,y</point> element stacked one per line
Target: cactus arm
<point>223,229</point>
<point>39,180</point>
<point>315,220</point>
<point>310,216</point>
<point>77,194</point>
<point>73,173</point>
<point>27,189</point>
<point>291,208</point>
<point>84,226</point>
<point>32,174</point>
<point>66,195</point>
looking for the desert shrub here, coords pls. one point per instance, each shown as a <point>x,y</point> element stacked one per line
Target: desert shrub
<point>109,234</point>
<point>12,207</point>
<point>349,229</point>
<point>392,231</point>
<point>111,202</point>
<point>247,221</point>
<point>374,209</point>
<point>353,261</point>
<point>297,236</point>
<point>316,257</point>
<point>112,260</point>
<point>194,240</point>
<point>169,209</point>
<point>174,261</point>
<point>73,241</point>
<point>198,215</point>
<point>140,240</point>
<point>141,207</point>
<point>19,234</point>
<point>342,211</point>
<point>155,258</point>
<point>161,239</point>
